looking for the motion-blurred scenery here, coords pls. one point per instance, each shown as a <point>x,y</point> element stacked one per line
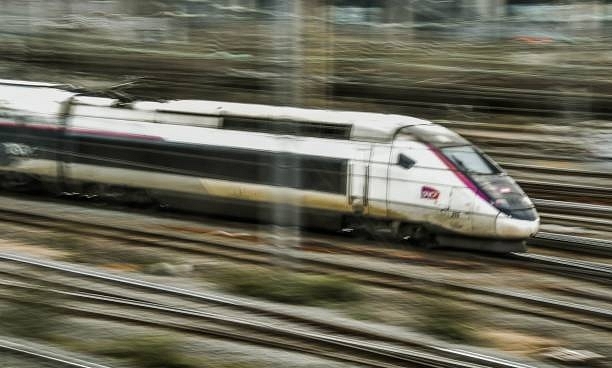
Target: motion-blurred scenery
<point>323,183</point>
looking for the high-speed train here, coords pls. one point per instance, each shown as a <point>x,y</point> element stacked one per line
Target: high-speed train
<point>337,169</point>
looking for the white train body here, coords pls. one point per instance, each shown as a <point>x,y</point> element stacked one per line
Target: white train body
<point>389,168</point>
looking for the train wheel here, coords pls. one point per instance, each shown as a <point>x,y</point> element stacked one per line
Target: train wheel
<point>359,228</point>
<point>417,234</point>
<point>130,196</point>
<point>18,182</point>
<point>403,231</point>
<point>421,236</point>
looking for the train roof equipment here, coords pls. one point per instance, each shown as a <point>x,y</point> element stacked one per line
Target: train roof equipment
<point>349,125</point>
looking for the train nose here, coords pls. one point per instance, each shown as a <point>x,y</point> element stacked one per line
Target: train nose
<point>513,228</point>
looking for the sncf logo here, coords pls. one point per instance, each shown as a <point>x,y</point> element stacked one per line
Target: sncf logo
<point>429,193</point>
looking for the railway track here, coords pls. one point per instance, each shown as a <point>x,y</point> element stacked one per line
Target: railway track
<point>587,216</point>
<point>212,247</point>
<point>43,354</point>
<point>569,242</point>
<point>347,85</point>
<point>240,81</point>
<point>580,221</point>
<point>574,209</point>
<point>597,269</point>
<point>348,344</point>
<point>473,98</point>
<point>378,275</point>
<point>517,151</point>
<point>556,171</point>
<point>567,191</point>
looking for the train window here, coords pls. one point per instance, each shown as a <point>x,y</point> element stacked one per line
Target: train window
<point>306,129</point>
<point>468,159</point>
<point>305,172</point>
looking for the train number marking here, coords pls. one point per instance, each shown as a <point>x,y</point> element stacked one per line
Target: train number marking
<point>428,192</point>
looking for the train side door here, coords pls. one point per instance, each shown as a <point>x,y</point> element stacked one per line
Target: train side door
<point>377,180</point>
<point>68,146</point>
<point>359,172</point>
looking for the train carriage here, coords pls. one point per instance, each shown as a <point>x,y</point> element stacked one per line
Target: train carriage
<point>329,168</point>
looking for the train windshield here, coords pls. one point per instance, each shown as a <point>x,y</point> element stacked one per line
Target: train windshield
<point>468,159</point>
<point>506,195</point>
<point>502,190</point>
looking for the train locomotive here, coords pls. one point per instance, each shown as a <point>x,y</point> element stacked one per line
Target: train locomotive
<point>337,169</point>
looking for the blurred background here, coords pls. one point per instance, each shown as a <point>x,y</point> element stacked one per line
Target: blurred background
<point>538,67</point>
<point>528,81</point>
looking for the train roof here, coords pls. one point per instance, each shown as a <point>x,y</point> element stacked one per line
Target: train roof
<point>364,126</point>
<point>45,100</point>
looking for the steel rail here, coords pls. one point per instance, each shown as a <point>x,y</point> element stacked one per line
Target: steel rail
<point>553,170</point>
<point>87,292</point>
<point>221,332</point>
<point>597,192</point>
<point>469,106</point>
<point>385,283</point>
<point>587,265</point>
<point>46,355</point>
<point>601,224</point>
<point>569,264</point>
<point>370,348</point>
<point>572,243</point>
<point>249,331</point>
<point>446,357</point>
<point>221,248</point>
<point>491,98</point>
<point>390,280</point>
<point>573,208</point>
<point>263,254</point>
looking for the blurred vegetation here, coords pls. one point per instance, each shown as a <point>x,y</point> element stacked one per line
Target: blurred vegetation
<point>26,316</point>
<point>156,352</point>
<point>84,251</point>
<point>447,320</point>
<point>288,287</point>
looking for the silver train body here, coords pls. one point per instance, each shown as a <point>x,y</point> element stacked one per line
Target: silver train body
<point>335,167</point>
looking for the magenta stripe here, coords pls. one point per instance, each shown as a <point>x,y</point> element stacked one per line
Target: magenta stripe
<point>42,126</point>
<point>36,126</point>
<point>464,179</point>
<point>95,132</point>
<point>115,134</point>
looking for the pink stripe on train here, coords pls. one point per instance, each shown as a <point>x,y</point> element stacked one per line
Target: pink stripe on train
<point>464,179</point>
<point>93,132</point>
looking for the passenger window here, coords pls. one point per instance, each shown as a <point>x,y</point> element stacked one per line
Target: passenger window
<point>405,161</point>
